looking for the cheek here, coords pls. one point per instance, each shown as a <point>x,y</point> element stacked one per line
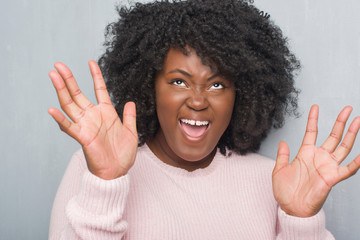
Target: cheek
<point>167,106</point>
<point>223,107</point>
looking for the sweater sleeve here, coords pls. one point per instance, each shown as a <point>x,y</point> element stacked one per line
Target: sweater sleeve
<point>296,228</point>
<point>88,207</point>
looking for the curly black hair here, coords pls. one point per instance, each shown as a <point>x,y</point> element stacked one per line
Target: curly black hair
<point>233,35</point>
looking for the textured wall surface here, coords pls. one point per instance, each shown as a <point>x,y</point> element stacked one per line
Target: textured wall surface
<point>35,34</point>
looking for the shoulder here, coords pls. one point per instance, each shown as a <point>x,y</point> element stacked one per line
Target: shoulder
<point>250,174</point>
<point>251,162</point>
<point>251,158</point>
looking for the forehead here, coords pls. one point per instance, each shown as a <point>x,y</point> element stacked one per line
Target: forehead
<point>187,60</point>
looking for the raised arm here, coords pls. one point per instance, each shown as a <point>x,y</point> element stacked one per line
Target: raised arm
<point>87,205</point>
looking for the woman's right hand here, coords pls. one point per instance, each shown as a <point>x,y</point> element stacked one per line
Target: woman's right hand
<point>109,145</point>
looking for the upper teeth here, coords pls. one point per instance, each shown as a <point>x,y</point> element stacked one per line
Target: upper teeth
<point>193,122</point>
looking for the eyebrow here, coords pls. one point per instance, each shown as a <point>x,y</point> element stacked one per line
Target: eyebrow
<point>189,75</point>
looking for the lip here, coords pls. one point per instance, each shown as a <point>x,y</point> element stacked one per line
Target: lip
<point>193,139</point>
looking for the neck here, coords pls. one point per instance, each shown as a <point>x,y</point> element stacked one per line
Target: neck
<point>162,151</point>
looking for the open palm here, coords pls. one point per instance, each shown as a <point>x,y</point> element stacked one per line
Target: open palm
<point>302,186</point>
<point>109,145</point>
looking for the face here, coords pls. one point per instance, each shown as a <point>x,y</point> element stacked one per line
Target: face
<point>194,106</point>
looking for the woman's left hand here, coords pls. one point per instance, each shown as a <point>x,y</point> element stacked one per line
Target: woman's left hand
<point>302,186</point>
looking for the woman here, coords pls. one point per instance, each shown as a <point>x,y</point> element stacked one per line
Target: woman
<point>208,79</point>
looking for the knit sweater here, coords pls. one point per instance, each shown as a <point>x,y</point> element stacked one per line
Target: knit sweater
<point>232,198</point>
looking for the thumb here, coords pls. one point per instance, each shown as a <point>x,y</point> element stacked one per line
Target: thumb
<point>282,159</point>
<point>129,117</point>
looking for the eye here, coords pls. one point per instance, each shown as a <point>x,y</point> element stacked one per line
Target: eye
<point>217,86</point>
<point>178,82</point>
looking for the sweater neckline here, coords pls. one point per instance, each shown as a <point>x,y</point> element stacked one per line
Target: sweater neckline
<point>215,164</point>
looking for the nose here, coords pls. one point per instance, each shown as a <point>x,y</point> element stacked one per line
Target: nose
<point>197,101</point>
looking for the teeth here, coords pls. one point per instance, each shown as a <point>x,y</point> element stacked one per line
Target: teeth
<point>193,122</point>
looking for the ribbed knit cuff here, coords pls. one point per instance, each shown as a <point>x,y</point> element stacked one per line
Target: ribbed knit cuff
<point>302,228</point>
<point>96,212</point>
<point>99,196</point>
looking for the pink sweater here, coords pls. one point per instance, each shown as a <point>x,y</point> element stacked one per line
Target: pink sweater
<point>230,199</point>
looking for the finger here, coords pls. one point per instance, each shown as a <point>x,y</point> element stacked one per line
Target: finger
<point>66,102</point>
<point>282,159</point>
<point>64,124</point>
<point>101,92</point>
<point>336,133</point>
<point>311,127</point>
<point>350,169</point>
<point>72,86</point>
<point>345,147</point>
<point>129,117</point>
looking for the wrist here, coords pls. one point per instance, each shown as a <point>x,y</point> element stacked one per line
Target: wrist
<point>109,174</point>
<point>291,227</point>
<point>298,212</point>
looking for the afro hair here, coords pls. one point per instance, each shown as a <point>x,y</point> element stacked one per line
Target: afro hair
<point>240,40</point>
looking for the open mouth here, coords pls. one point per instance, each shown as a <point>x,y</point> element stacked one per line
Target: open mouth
<point>193,128</point>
